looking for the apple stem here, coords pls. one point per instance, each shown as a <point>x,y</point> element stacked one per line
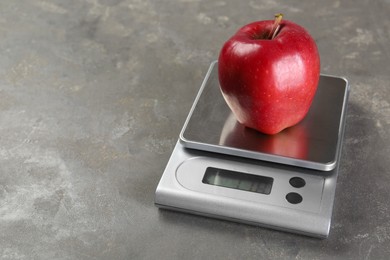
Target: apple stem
<point>275,26</point>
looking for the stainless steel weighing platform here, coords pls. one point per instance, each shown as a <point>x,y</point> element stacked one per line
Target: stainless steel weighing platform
<point>287,181</point>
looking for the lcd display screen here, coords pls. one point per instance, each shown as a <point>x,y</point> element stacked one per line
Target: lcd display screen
<point>238,180</point>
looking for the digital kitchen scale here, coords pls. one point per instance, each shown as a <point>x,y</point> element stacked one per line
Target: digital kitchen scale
<point>287,181</point>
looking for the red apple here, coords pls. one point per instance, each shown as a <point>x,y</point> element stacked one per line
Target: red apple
<point>268,74</point>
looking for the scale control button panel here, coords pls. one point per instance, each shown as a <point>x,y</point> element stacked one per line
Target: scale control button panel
<point>252,183</point>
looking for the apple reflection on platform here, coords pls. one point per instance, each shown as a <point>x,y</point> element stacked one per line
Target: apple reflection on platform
<point>291,142</point>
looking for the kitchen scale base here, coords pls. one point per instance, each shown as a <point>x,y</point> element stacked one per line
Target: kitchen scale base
<point>255,186</point>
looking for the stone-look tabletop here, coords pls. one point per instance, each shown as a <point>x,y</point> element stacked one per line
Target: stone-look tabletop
<point>93,95</point>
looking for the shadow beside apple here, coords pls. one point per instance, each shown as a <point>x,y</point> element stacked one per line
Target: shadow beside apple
<point>291,142</point>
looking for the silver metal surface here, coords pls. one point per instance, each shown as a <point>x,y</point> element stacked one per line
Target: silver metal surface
<point>181,187</point>
<point>190,173</point>
<point>313,143</point>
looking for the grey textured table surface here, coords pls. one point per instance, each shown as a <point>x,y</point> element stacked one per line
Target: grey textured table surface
<point>93,95</point>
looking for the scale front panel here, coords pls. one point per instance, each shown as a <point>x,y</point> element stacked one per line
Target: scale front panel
<point>252,183</point>
<point>243,190</point>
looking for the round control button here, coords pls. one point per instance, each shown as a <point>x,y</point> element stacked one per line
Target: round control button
<point>294,198</point>
<point>297,182</point>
